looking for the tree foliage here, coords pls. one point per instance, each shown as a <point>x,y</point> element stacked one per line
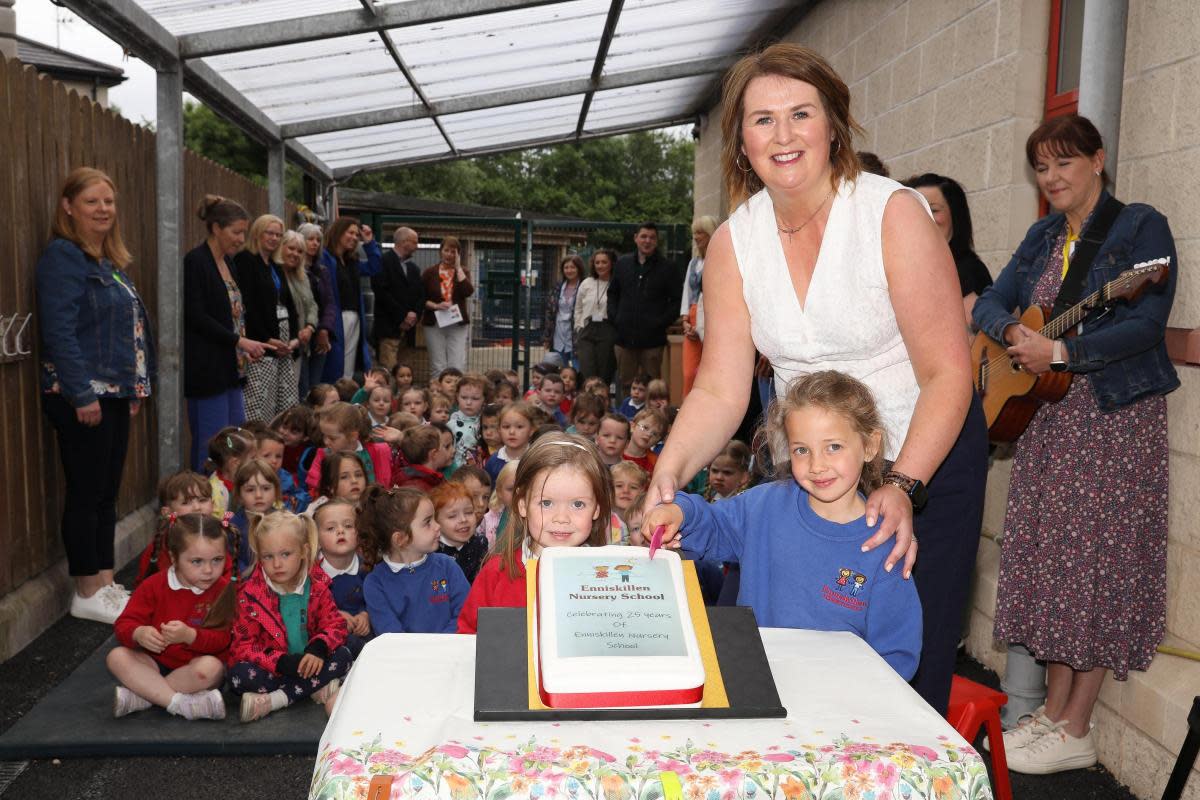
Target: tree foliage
<point>628,178</point>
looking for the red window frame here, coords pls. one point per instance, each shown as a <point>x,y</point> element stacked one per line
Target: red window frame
<point>1057,104</point>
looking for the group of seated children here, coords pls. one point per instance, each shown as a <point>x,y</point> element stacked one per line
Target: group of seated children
<point>395,508</point>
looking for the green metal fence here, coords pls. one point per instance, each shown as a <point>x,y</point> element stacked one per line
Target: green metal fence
<point>513,262</point>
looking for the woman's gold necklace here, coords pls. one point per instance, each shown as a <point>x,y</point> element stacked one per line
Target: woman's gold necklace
<point>791,231</point>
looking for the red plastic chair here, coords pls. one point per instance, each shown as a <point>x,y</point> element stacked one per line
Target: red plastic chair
<point>974,706</point>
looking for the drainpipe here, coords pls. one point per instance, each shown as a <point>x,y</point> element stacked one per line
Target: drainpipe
<point>8,29</point>
<point>1102,72</point>
<point>168,146</point>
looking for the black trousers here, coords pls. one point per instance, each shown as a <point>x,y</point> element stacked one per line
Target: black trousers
<point>93,460</point>
<point>947,531</point>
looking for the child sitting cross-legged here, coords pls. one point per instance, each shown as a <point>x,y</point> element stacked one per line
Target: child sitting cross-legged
<point>826,429</point>
<point>427,450</point>
<point>175,628</point>
<point>288,637</point>
<point>413,589</point>
<point>454,510</point>
<point>464,422</point>
<point>337,538</point>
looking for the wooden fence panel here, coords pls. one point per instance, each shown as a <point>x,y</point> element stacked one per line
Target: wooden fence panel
<point>48,131</point>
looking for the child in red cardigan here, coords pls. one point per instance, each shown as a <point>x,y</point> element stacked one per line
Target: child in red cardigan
<point>562,497</point>
<point>175,628</point>
<point>288,637</point>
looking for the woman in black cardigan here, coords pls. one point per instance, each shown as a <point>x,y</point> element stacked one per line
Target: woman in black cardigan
<point>272,383</point>
<point>215,347</point>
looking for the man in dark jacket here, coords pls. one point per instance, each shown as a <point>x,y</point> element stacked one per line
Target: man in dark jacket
<point>643,301</point>
<point>399,299</point>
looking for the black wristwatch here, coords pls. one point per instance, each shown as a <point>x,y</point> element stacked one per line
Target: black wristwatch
<point>912,487</point>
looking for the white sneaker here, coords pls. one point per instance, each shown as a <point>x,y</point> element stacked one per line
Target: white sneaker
<point>104,606</point>
<point>126,702</point>
<point>1054,751</point>
<point>202,705</point>
<point>1029,727</point>
<point>255,705</point>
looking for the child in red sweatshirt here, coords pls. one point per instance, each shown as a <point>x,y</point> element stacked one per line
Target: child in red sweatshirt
<point>175,628</point>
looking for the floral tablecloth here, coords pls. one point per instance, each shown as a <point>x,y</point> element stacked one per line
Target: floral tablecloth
<point>854,730</point>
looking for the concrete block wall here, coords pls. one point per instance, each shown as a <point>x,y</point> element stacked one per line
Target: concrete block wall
<point>955,87</point>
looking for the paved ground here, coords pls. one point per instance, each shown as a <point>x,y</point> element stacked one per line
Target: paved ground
<point>45,663</point>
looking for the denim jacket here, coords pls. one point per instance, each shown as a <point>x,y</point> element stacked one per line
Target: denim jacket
<point>85,322</point>
<point>1123,351</point>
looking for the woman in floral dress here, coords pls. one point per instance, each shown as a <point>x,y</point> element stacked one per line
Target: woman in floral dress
<point>1083,563</point>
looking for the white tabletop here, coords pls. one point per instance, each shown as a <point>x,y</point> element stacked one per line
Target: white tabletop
<point>853,726</point>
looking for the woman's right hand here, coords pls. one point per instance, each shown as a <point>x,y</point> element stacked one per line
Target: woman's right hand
<point>279,347</point>
<point>323,345</point>
<point>661,490</point>
<point>670,516</point>
<point>89,415</point>
<point>149,639</point>
<point>251,348</point>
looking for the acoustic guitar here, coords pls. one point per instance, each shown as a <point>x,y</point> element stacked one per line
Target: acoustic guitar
<point>1011,396</point>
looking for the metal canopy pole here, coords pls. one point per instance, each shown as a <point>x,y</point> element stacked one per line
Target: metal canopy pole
<point>168,159</point>
<point>275,169</point>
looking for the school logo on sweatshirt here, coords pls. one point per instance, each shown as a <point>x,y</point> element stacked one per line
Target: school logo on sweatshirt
<point>846,590</point>
<point>440,592</point>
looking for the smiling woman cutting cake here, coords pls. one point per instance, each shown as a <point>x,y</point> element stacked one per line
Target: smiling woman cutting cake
<point>822,266</point>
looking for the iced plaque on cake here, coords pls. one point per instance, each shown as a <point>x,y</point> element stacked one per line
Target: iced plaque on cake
<point>607,607</point>
<point>613,629</point>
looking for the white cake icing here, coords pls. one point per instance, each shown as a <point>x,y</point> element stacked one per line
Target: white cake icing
<point>612,629</point>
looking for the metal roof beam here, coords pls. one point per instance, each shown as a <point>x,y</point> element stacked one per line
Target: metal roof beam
<point>343,173</point>
<point>215,92</point>
<point>610,29</point>
<point>126,23</point>
<point>339,23</point>
<point>507,97</point>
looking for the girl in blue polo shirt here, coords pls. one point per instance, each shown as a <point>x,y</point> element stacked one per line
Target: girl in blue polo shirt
<point>799,541</point>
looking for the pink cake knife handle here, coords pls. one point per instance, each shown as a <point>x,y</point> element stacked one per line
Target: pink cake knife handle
<point>656,538</point>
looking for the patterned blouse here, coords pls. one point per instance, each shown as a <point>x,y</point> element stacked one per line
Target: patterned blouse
<point>239,322</point>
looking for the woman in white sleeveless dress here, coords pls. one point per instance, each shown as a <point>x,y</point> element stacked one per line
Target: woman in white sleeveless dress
<point>822,266</point>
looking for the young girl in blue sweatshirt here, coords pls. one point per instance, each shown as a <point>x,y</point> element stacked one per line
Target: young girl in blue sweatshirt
<point>413,589</point>
<point>799,540</point>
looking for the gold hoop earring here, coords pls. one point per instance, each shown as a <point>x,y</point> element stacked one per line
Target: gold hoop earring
<point>738,163</point>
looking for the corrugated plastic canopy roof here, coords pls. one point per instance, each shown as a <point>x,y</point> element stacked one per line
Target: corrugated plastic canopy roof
<point>351,85</point>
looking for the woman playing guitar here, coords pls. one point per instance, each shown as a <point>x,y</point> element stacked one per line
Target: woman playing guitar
<point>1083,566</point>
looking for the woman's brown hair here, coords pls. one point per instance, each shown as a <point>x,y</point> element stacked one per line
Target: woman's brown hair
<point>220,211</point>
<point>63,227</point>
<point>554,451</point>
<point>335,233</point>
<point>1065,137</point>
<point>786,61</point>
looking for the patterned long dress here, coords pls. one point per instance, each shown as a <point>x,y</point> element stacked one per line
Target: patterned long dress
<point>1083,565</point>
